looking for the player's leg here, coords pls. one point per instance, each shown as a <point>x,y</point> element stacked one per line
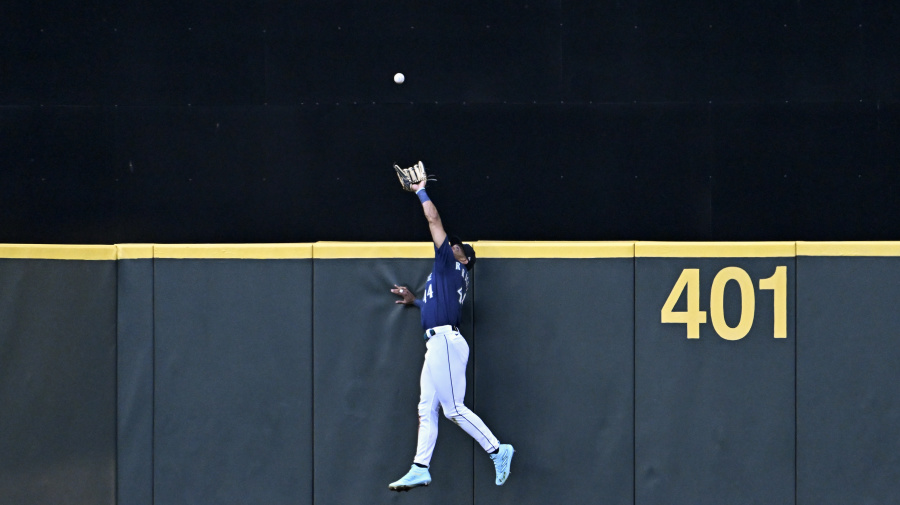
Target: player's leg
<point>418,474</point>
<point>457,359</point>
<point>447,366</point>
<point>428,416</point>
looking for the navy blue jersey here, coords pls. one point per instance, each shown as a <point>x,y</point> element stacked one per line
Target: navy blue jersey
<point>445,290</point>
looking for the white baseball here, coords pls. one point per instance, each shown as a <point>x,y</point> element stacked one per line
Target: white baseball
<point>399,78</point>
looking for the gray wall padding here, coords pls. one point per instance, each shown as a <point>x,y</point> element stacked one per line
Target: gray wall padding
<point>714,419</point>
<point>233,382</point>
<point>848,406</point>
<point>554,372</point>
<point>135,382</point>
<point>296,381</point>
<point>57,382</point>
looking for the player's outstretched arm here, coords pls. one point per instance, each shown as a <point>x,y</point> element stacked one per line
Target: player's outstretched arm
<point>438,235</point>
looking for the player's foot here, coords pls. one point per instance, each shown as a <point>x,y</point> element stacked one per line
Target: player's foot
<point>502,460</point>
<point>417,476</point>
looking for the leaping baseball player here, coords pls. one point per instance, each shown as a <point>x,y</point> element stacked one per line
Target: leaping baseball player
<point>443,380</point>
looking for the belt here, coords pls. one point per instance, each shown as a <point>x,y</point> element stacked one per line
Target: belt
<point>430,332</point>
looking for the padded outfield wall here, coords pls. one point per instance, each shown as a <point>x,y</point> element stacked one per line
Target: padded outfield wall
<point>628,373</point>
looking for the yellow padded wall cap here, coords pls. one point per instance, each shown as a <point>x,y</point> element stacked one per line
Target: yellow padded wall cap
<point>232,251</point>
<point>342,250</point>
<point>539,249</point>
<point>715,249</point>
<point>134,251</point>
<point>848,248</point>
<point>58,252</point>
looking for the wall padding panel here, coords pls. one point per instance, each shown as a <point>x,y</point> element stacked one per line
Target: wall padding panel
<point>57,375</point>
<point>714,418</point>
<point>554,370</point>
<point>848,407</point>
<point>134,421</point>
<point>233,390</point>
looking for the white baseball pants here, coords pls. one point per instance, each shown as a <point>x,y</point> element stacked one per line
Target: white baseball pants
<point>443,385</point>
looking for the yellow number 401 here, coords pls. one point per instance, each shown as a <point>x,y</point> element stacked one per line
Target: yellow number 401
<point>693,317</point>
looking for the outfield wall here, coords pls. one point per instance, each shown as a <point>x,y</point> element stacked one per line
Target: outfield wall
<point>624,373</point>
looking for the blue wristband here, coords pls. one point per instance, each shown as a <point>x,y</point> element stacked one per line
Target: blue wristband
<point>423,196</point>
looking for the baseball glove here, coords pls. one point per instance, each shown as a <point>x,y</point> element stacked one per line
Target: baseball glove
<point>412,175</point>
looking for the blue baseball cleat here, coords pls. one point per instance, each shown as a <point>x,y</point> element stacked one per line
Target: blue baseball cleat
<point>417,476</point>
<point>502,461</point>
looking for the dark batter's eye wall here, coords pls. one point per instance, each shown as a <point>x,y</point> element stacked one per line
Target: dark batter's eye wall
<point>631,373</point>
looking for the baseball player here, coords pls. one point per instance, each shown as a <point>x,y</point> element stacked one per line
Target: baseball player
<point>443,379</point>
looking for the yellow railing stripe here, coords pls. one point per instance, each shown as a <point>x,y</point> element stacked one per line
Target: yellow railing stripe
<point>58,252</point>
<point>485,249</point>
<point>233,251</point>
<point>341,250</point>
<point>134,251</point>
<point>492,249</point>
<point>715,249</point>
<point>848,248</point>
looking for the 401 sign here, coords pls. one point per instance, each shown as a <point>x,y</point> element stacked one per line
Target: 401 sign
<point>693,317</point>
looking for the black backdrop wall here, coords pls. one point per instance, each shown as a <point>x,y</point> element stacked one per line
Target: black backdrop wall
<point>279,122</point>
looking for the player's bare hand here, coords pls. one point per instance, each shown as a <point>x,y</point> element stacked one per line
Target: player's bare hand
<point>406,296</point>
<point>421,185</point>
